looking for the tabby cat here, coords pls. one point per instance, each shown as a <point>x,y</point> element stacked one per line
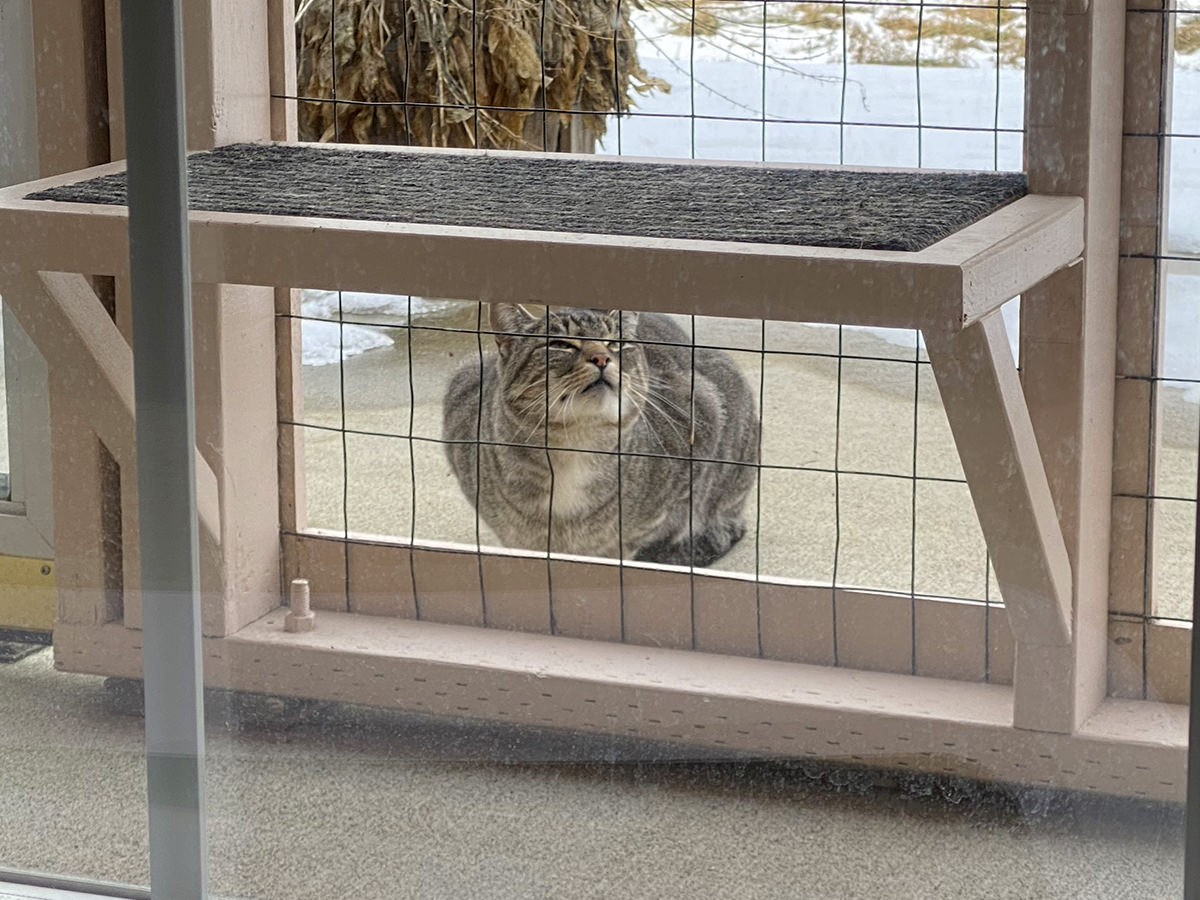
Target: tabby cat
<point>562,390</point>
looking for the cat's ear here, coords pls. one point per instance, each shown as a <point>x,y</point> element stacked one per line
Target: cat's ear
<point>508,317</point>
<point>628,322</point>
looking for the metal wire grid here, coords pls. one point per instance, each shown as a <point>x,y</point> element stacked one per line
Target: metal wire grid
<point>1160,600</point>
<point>621,112</point>
<point>698,120</point>
<point>837,471</point>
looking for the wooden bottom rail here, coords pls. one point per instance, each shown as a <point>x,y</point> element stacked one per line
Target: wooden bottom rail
<point>655,606</point>
<point>685,698</point>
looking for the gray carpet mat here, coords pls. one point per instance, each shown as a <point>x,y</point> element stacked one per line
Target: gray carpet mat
<point>803,207</point>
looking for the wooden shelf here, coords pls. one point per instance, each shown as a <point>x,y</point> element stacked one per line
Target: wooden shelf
<point>949,284</point>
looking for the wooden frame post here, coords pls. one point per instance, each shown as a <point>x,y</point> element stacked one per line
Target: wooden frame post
<point>289,383</point>
<point>1068,338</point>
<point>228,91</point>
<point>228,98</point>
<point>72,79</point>
<point>1147,657</point>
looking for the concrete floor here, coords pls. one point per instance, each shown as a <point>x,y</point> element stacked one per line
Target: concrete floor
<point>342,802</point>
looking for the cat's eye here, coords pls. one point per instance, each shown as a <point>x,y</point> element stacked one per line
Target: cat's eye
<point>614,346</point>
<point>561,345</point>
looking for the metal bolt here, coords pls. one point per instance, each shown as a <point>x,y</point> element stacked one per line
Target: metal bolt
<point>45,570</point>
<point>300,616</point>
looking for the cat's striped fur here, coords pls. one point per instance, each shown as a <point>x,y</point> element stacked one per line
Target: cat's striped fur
<point>552,397</point>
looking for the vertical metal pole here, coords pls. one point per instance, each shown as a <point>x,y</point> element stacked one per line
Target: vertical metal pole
<point>1191,867</point>
<point>152,49</point>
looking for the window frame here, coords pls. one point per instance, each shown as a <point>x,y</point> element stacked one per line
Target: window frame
<point>26,517</point>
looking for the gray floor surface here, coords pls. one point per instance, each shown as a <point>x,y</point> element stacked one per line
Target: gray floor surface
<point>343,802</point>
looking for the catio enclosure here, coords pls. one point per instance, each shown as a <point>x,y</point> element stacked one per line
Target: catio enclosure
<point>948,565</point>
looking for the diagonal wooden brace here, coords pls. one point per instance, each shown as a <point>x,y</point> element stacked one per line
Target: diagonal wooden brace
<point>66,321</point>
<point>982,394</point>
<point>80,342</point>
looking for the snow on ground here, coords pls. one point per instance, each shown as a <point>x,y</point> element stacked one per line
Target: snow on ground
<point>322,336</point>
<point>793,33</point>
<point>323,343</point>
<point>320,342</point>
<point>971,117</point>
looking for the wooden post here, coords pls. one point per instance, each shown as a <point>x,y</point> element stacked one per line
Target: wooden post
<point>72,133</point>
<point>72,78</point>
<point>281,46</point>
<point>1068,334</point>
<point>228,78</point>
<point>228,57</point>
<point>289,386</point>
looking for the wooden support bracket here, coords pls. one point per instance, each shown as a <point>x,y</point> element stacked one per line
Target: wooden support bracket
<point>977,378</point>
<point>68,324</point>
<point>81,344</point>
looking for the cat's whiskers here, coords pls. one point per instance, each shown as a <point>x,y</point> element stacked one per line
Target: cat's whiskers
<point>656,388</point>
<point>657,403</point>
<point>535,404</point>
<point>527,438</point>
<point>655,385</point>
<point>535,400</point>
<point>531,417</point>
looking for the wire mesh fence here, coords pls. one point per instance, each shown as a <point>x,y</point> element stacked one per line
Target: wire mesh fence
<point>1159,334</point>
<point>1170,490</point>
<point>873,441</point>
<point>856,480</point>
<point>1158,357</point>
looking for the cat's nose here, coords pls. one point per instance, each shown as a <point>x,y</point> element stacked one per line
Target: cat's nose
<point>599,360</point>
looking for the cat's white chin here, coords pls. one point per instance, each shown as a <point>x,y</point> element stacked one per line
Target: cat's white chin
<point>600,405</point>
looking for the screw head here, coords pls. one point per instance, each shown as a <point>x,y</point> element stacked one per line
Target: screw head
<point>45,570</point>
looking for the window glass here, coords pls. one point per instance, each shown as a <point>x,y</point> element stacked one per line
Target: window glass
<point>5,466</point>
<point>72,759</point>
<point>410,697</point>
<point>861,527</point>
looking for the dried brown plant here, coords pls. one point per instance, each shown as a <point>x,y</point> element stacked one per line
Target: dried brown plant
<point>515,74</point>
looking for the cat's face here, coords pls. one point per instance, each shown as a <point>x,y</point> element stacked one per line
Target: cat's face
<point>574,367</point>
